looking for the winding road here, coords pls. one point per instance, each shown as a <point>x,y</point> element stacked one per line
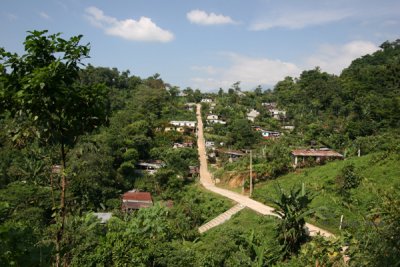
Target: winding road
<point>207,182</point>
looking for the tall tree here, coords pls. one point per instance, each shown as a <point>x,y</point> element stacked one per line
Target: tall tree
<point>41,87</point>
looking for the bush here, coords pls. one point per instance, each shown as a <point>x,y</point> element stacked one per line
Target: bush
<point>347,179</point>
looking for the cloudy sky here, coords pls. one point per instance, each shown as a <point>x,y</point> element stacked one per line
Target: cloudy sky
<point>210,44</point>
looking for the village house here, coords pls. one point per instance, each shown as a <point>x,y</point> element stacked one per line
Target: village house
<point>277,113</point>
<point>190,106</point>
<point>181,126</point>
<point>252,115</point>
<point>190,124</point>
<point>270,134</point>
<point>269,105</point>
<point>318,155</point>
<point>150,167</point>
<point>212,106</point>
<point>104,217</point>
<point>212,118</point>
<point>193,172</point>
<point>133,200</point>
<point>233,155</point>
<point>288,128</point>
<point>274,111</point>
<point>183,145</point>
<point>210,144</point>
<point>206,100</point>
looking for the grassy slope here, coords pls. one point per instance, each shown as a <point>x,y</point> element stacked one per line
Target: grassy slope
<point>213,203</point>
<point>379,173</point>
<point>244,221</point>
<point>225,240</point>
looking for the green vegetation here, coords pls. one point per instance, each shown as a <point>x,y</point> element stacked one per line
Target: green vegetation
<point>378,175</point>
<point>72,140</point>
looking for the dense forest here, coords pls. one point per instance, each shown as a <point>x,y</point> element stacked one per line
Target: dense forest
<point>72,138</point>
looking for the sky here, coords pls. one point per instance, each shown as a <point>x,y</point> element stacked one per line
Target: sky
<point>211,44</point>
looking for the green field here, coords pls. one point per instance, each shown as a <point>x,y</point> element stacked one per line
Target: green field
<point>380,172</point>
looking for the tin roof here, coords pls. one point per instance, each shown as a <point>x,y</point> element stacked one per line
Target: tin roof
<point>137,196</point>
<point>103,216</point>
<point>315,153</point>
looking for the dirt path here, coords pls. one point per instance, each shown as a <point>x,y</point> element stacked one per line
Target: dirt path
<point>207,182</point>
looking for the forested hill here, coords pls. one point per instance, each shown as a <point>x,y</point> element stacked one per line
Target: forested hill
<point>362,101</point>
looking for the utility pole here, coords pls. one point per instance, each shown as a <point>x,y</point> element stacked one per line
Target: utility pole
<point>244,180</point>
<point>251,173</point>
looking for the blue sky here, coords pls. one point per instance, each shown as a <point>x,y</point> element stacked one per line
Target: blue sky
<point>210,44</point>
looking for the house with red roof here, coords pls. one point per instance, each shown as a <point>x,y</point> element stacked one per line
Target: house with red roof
<point>133,200</point>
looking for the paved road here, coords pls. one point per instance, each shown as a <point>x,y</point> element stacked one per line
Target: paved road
<point>207,182</point>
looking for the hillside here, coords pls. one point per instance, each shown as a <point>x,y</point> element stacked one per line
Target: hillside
<point>77,143</point>
<point>379,173</point>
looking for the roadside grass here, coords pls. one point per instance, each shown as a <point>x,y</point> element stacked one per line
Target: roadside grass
<point>379,172</point>
<point>244,221</point>
<point>213,196</point>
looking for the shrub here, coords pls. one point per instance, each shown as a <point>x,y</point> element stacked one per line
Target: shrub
<point>347,179</point>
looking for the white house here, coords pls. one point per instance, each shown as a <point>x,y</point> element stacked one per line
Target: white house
<point>212,117</point>
<point>288,127</point>
<point>252,115</point>
<point>210,144</point>
<point>216,121</point>
<point>270,134</point>
<point>277,113</point>
<point>190,124</point>
<point>104,217</point>
<point>206,100</point>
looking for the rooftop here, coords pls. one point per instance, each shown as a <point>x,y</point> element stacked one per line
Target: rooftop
<point>316,153</point>
<point>137,196</point>
<point>103,216</point>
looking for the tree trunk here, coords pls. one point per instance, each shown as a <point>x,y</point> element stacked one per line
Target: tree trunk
<point>60,231</point>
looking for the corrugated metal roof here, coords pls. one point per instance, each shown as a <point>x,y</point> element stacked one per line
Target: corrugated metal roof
<point>103,216</point>
<point>138,196</point>
<point>315,153</point>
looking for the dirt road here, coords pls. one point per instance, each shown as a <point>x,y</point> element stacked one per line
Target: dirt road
<point>207,182</point>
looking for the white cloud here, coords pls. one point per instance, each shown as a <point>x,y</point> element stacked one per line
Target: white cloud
<point>248,70</point>
<point>211,70</point>
<point>334,58</point>
<point>300,19</point>
<point>143,29</point>
<point>201,17</point>
<point>44,15</point>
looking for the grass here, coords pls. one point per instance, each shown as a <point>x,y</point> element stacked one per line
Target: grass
<point>243,222</point>
<point>379,173</point>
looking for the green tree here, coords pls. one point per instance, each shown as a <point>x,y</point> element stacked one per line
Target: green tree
<point>241,134</point>
<point>292,208</point>
<point>41,87</point>
<point>347,179</point>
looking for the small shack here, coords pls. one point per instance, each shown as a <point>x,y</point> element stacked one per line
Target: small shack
<point>319,155</point>
<point>150,166</point>
<point>104,217</point>
<point>252,115</point>
<point>133,200</point>
<point>231,154</point>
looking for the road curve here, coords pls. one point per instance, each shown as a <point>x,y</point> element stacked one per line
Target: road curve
<point>207,182</point>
